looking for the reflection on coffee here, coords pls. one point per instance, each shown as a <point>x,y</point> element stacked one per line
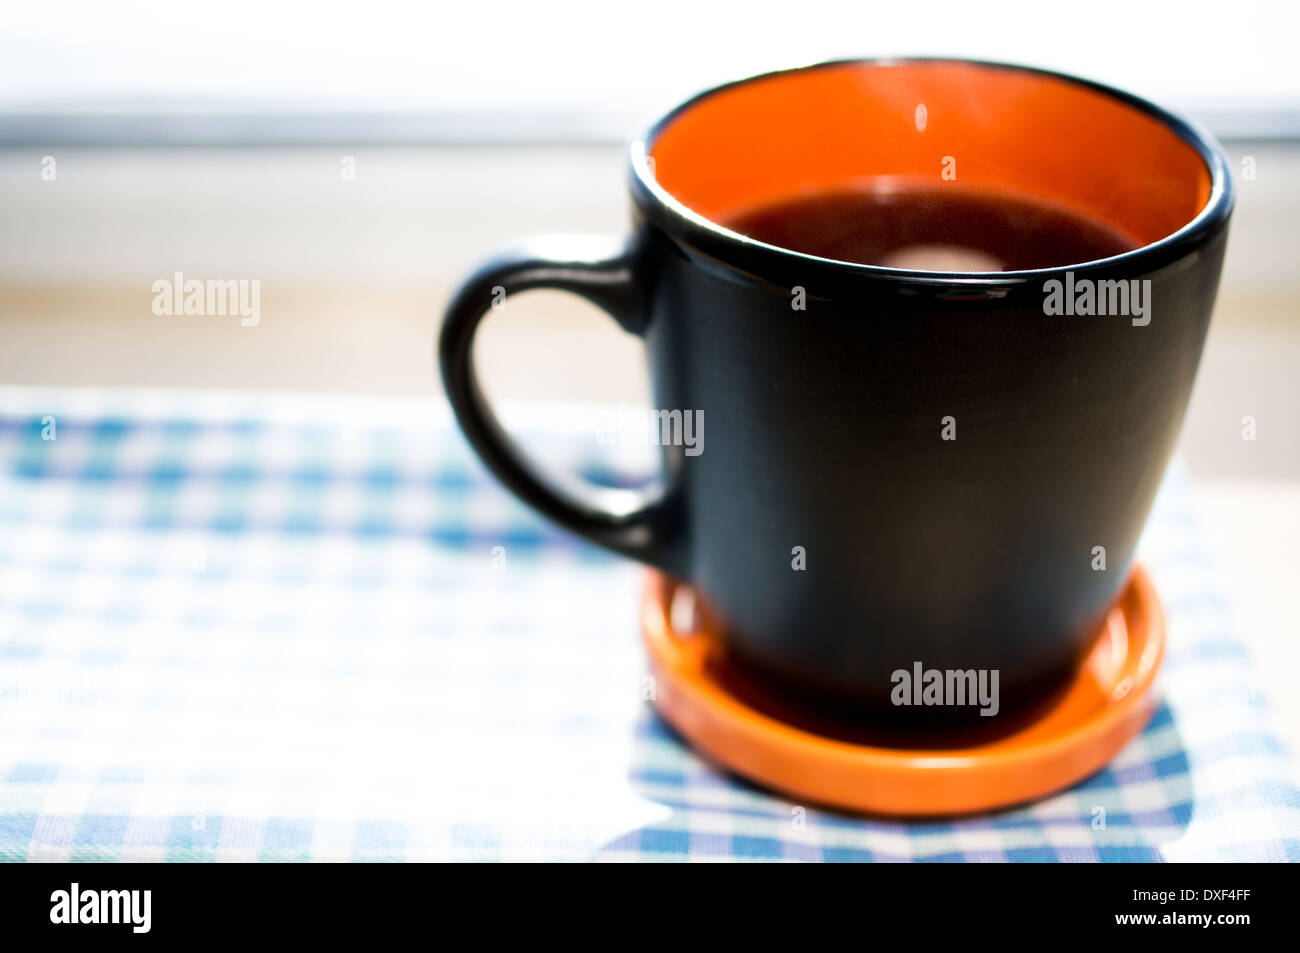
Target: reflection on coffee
<point>938,229</point>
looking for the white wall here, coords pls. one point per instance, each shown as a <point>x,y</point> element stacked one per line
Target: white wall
<point>603,66</point>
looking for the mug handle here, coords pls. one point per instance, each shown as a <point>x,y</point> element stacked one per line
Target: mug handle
<point>601,271</point>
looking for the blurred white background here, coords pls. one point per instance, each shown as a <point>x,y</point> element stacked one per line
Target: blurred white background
<point>580,68</point>
<point>594,69</point>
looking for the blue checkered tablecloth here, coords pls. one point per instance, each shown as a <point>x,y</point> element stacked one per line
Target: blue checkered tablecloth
<point>291,628</point>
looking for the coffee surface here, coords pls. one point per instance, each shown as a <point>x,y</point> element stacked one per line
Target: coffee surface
<point>932,230</point>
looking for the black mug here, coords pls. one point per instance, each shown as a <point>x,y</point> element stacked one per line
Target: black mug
<point>913,467</point>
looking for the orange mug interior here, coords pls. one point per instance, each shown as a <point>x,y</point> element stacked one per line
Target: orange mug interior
<point>918,124</point>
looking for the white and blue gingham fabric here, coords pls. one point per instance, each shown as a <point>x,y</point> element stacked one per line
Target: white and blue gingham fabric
<point>270,628</point>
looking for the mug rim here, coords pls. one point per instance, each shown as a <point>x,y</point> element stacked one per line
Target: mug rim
<point>758,259</point>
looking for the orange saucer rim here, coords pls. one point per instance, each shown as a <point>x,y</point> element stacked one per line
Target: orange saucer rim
<point>906,782</point>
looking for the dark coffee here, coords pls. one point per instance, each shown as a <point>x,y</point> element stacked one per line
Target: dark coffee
<point>932,230</point>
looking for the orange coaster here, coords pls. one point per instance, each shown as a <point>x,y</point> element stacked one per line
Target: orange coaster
<point>1077,733</point>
